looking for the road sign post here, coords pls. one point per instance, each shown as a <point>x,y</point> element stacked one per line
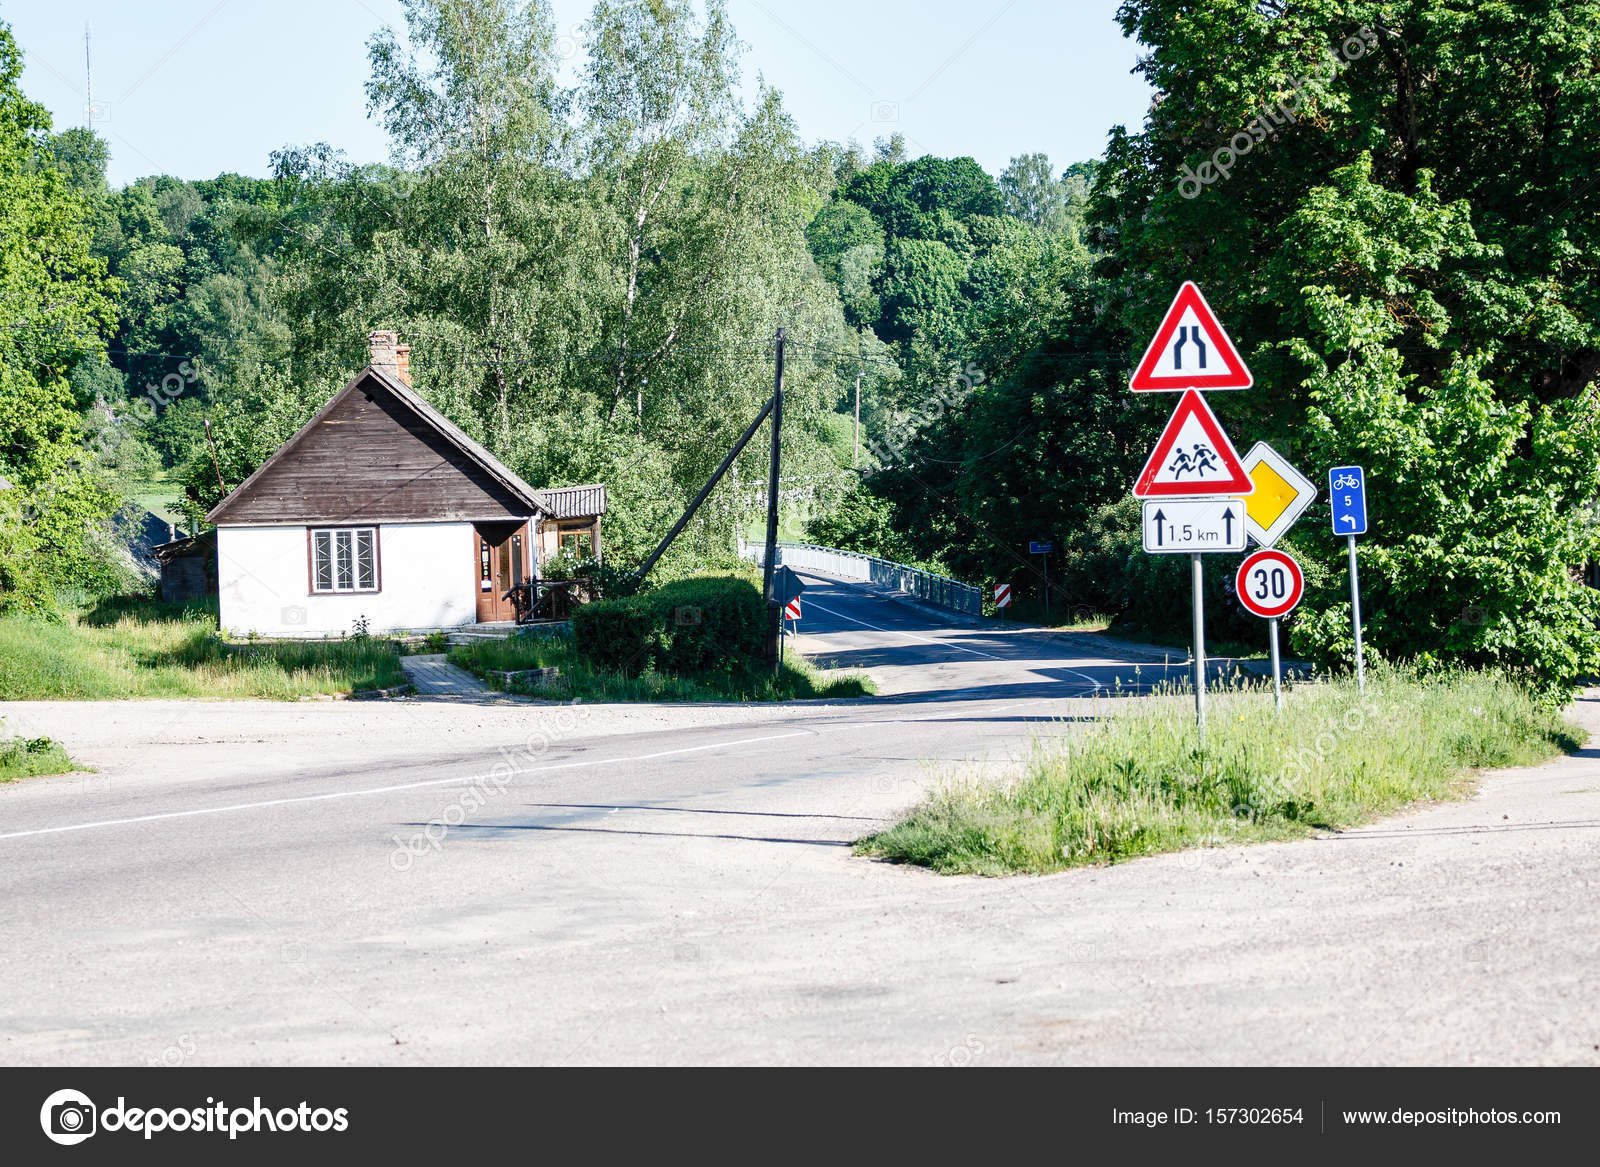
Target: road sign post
<point>1277,665</point>
<point>1043,548</point>
<point>1347,491</point>
<point>1355,618</point>
<point>1269,584</point>
<point>1198,580</point>
<point>791,611</point>
<point>1194,483</point>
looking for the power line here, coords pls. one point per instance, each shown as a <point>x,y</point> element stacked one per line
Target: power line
<point>1114,359</point>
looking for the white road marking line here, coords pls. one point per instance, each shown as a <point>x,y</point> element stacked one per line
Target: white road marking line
<point>462,780</point>
<point>468,779</point>
<point>901,632</point>
<point>1098,685</point>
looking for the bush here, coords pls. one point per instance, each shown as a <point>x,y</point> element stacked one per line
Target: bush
<point>31,757</point>
<point>696,625</point>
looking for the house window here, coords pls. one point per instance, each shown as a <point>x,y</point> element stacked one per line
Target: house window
<point>578,544</point>
<point>344,559</point>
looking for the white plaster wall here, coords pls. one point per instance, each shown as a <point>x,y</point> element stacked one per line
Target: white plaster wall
<point>427,575</point>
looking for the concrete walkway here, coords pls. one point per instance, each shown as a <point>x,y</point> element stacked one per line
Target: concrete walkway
<point>436,679</point>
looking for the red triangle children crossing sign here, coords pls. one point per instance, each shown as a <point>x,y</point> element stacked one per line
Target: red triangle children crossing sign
<point>1191,350</point>
<point>1193,457</point>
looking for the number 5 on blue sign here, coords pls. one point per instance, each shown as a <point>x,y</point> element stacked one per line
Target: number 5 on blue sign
<point>1348,491</point>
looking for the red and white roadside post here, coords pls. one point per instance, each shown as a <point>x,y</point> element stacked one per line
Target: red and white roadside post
<point>1002,599</point>
<point>791,611</point>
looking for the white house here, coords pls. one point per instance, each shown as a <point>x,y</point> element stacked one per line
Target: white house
<point>380,513</point>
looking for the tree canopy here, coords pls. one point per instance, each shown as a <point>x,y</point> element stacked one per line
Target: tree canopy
<point>590,276</point>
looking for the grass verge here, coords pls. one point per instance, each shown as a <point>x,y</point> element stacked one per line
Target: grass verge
<point>1134,783</point>
<point>32,757</point>
<point>127,648</point>
<point>1065,617</point>
<point>797,678</point>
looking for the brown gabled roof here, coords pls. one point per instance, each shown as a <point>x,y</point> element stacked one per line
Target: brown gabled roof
<point>425,413</point>
<point>575,502</point>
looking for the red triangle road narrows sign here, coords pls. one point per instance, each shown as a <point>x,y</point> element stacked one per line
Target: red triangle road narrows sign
<point>1191,350</point>
<point>1193,457</point>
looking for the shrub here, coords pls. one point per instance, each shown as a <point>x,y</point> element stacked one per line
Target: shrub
<point>30,757</point>
<point>695,625</point>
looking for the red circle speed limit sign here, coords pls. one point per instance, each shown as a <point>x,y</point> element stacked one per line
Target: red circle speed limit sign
<point>1269,583</point>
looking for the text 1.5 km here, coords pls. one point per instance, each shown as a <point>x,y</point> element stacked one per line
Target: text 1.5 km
<point>1183,526</point>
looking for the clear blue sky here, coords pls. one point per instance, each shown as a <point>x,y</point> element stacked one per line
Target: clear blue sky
<point>197,87</point>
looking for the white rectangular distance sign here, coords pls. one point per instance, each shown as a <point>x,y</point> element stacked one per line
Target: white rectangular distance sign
<point>1181,526</point>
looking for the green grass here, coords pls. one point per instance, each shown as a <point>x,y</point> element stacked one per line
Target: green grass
<point>129,648</point>
<point>1069,617</point>
<point>579,679</point>
<point>1134,783</point>
<point>32,757</point>
<point>162,495</point>
<point>1183,642</point>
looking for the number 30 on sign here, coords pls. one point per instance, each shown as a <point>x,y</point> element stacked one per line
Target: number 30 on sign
<point>1269,583</point>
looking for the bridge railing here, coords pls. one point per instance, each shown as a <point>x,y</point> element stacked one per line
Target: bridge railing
<point>884,573</point>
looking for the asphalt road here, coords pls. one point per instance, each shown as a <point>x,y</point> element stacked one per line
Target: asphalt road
<point>424,883</point>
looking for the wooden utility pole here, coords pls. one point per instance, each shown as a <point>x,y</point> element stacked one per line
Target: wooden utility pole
<point>214,464</point>
<point>856,461</point>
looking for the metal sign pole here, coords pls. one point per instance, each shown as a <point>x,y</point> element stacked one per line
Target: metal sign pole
<point>1199,649</point>
<point>1355,618</point>
<point>1277,672</point>
<point>1047,587</point>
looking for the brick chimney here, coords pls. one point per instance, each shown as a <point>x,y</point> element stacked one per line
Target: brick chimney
<point>388,355</point>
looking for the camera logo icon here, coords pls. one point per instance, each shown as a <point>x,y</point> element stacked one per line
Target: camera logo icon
<point>886,111</point>
<point>293,614</point>
<point>68,1117</point>
<point>686,615</point>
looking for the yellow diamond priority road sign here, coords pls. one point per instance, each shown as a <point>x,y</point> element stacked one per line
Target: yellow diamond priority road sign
<point>1282,493</point>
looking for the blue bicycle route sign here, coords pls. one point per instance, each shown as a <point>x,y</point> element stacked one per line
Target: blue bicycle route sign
<point>1347,489</point>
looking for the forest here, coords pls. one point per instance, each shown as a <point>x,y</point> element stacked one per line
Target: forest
<point>591,276</point>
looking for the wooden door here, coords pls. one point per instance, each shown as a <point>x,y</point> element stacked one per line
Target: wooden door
<point>502,550</point>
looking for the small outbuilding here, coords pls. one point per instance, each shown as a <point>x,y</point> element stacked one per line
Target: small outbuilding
<point>379,513</point>
<point>188,568</point>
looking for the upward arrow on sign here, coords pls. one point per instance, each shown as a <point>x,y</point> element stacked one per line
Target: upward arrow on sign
<point>1191,350</point>
<point>1193,457</point>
